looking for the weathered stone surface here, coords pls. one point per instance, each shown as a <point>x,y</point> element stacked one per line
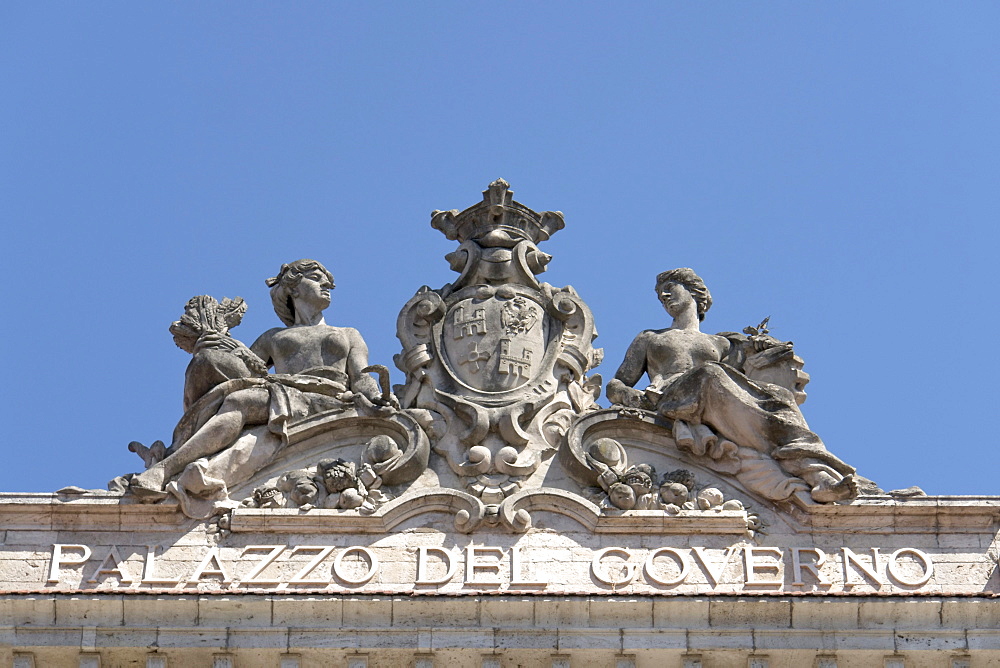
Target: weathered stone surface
<point>497,358</point>
<point>732,400</point>
<point>318,367</point>
<point>489,509</point>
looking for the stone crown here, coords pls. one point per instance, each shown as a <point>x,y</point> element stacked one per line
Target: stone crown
<point>498,217</point>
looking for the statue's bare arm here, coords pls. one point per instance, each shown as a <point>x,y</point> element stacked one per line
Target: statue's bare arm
<point>262,348</point>
<point>723,345</point>
<point>357,359</point>
<point>634,364</point>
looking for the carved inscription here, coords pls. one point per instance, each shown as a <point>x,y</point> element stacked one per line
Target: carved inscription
<point>489,567</point>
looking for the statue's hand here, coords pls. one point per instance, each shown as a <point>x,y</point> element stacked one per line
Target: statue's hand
<point>389,402</point>
<point>214,341</point>
<point>621,394</point>
<point>221,342</point>
<point>379,406</point>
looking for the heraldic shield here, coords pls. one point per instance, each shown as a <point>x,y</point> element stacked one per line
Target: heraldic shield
<point>495,344</point>
<point>497,359</point>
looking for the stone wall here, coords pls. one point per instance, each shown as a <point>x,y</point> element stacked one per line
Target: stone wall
<point>201,603</point>
<point>271,630</point>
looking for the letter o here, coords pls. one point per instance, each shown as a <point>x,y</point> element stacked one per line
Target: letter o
<point>928,567</point>
<point>630,569</point>
<point>372,569</point>
<point>650,567</point>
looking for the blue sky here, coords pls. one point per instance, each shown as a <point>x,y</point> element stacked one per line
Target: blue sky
<point>832,165</point>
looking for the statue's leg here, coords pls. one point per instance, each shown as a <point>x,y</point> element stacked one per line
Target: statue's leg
<point>751,416</point>
<point>241,408</point>
<point>736,409</point>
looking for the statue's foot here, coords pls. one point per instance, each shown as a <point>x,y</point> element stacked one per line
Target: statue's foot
<point>152,455</point>
<point>145,495</point>
<point>148,487</point>
<point>845,489</point>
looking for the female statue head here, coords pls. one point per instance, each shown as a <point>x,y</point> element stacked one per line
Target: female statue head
<point>284,286</point>
<point>692,283</point>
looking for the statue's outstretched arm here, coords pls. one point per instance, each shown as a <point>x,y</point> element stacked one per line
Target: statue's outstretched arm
<point>619,391</point>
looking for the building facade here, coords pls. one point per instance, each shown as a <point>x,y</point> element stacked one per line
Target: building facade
<point>488,512</point>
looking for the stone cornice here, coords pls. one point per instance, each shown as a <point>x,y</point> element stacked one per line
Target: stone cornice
<point>104,511</point>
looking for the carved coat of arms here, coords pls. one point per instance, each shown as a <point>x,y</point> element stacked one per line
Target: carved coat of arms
<point>492,344</point>
<point>498,355</point>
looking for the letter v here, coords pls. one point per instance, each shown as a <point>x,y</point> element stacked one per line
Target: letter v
<point>715,575</point>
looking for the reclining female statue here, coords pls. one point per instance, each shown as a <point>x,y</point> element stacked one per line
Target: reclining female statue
<point>700,380</point>
<point>317,367</point>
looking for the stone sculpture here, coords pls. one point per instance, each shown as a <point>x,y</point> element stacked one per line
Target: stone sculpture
<point>498,356</point>
<point>300,487</point>
<point>496,386</point>
<point>719,392</point>
<point>203,331</point>
<point>318,367</point>
<point>632,487</point>
<point>332,483</point>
